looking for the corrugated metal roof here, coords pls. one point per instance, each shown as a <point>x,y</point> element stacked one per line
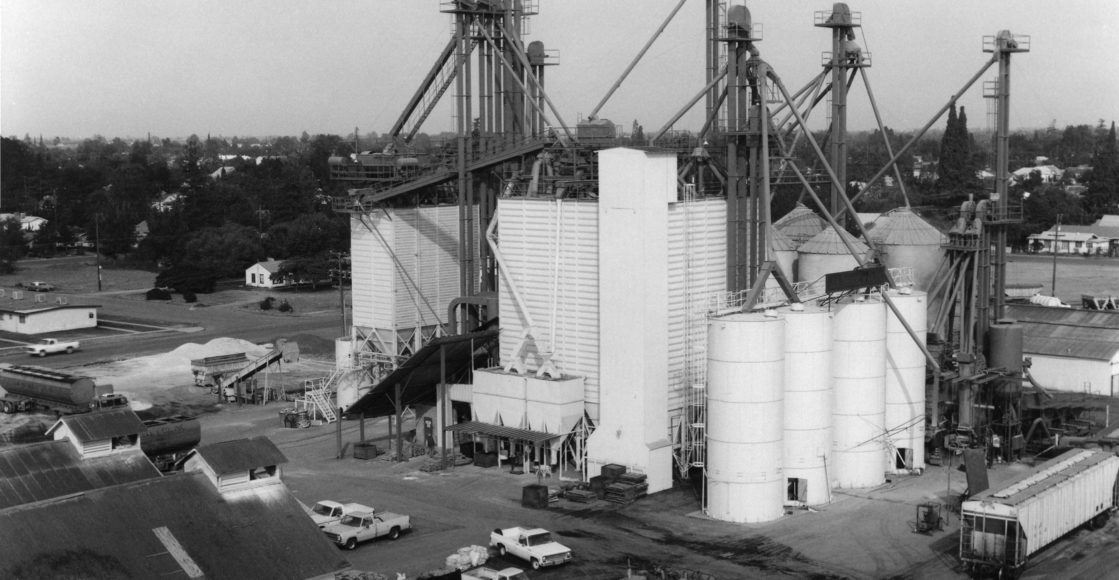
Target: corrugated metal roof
<point>116,532</point>
<point>829,242</point>
<point>241,455</point>
<point>1063,316</point>
<point>419,375</point>
<point>40,471</point>
<point>1050,474</point>
<point>801,224</point>
<point>905,228</point>
<point>502,431</point>
<point>780,242</point>
<point>100,425</point>
<point>1067,332</point>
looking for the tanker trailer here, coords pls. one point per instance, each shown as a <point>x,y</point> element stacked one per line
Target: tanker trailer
<point>1002,527</point>
<point>28,386</point>
<point>168,439</point>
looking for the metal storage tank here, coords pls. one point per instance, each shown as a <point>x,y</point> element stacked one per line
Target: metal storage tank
<point>859,375</point>
<point>784,252</point>
<point>800,225</point>
<point>906,240</point>
<point>808,404</point>
<point>826,253</point>
<point>745,384</point>
<point>50,385</point>
<point>905,383</point>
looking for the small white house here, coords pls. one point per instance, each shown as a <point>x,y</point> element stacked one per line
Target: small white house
<point>40,318</point>
<point>259,275</point>
<point>239,464</point>
<point>100,433</point>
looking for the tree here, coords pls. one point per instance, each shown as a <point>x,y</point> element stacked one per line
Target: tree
<point>313,269</point>
<point>223,251</point>
<point>957,168</point>
<point>1102,196</point>
<point>12,247</point>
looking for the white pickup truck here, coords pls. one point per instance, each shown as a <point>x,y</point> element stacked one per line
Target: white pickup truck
<point>532,544</point>
<point>491,574</point>
<point>50,346</point>
<point>361,526</point>
<point>327,512</point>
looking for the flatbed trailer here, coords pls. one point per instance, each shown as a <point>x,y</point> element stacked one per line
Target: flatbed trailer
<point>1002,527</point>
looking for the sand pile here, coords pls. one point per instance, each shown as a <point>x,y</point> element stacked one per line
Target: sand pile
<point>144,379</point>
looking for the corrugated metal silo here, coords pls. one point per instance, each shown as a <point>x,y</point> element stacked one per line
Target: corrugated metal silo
<point>859,374</point>
<point>784,252</point>
<point>808,404</point>
<point>826,253</point>
<point>905,383</point>
<point>745,393</point>
<point>800,225</point>
<point>906,240</point>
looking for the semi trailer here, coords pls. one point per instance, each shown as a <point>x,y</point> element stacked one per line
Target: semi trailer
<point>1002,527</point>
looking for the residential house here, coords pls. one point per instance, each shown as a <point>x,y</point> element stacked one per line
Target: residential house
<point>259,275</point>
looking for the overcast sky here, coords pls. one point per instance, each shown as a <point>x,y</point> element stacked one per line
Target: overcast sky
<point>77,68</point>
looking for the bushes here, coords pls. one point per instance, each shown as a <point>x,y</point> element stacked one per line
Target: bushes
<point>267,303</point>
<point>285,307</point>
<point>157,294</point>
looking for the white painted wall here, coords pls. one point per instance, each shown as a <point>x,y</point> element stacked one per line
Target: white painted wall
<point>1076,375</point>
<point>48,320</point>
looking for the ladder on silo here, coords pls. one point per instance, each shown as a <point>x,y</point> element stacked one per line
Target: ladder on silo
<point>693,425</point>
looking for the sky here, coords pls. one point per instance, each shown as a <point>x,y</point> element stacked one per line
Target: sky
<point>173,68</point>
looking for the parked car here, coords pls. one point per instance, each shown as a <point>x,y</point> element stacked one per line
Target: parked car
<point>359,527</point>
<point>39,286</point>
<point>532,544</point>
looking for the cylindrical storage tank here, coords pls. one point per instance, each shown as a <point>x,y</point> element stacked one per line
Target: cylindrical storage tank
<point>906,240</point>
<point>50,385</point>
<point>859,381</point>
<point>826,253</point>
<point>1004,351</point>
<point>170,434</point>
<point>745,383</point>
<point>808,404</point>
<point>349,388</point>
<point>784,252</point>
<point>800,225</point>
<point>905,382</point>
<point>343,353</point>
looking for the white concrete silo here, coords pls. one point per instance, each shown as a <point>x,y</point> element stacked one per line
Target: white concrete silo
<point>808,404</point>
<point>905,383</point>
<point>859,375</point>
<point>826,253</point>
<point>745,384</point>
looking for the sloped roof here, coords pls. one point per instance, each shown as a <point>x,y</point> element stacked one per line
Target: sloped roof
<point>905,228</point>
<point>1053,473</point>
<point>502,431</point>
<point>780,242</point>
<point>100,425</point>
<point>800,224</point>
<point>1066,332</point>
<point>1110,221</point>
<point>829,242</point>
<point>167,526</point>
<point>40,471</point>
<point>1099,230</point>
<point>272,266</point>
<point>241,455</point>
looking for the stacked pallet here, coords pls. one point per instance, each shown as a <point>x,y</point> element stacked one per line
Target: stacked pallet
<point>626,488</point>
<point>581,495</point>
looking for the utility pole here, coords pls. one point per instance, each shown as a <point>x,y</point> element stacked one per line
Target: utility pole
<point>97,246</point>
<point>1056,235</point>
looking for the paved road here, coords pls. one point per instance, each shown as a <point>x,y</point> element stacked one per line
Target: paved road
<point>156,327</point>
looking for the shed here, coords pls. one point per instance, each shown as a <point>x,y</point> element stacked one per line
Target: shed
<point>238,464</point>
<point>1072,350</point>
<point>100,432</point>
<point>42,317</point>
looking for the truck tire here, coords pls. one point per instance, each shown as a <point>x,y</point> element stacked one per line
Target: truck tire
<point>351,543</point>
<point>501,549</point>
<point>8,408</point>
<point>394,533</point>
<point>535,563</point>
<point>69,350</point>
<point>42,353</point>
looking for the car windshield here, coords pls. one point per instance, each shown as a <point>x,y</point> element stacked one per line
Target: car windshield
<point>352,521</point>
<point>323,510</point>
<point>538,539</point>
